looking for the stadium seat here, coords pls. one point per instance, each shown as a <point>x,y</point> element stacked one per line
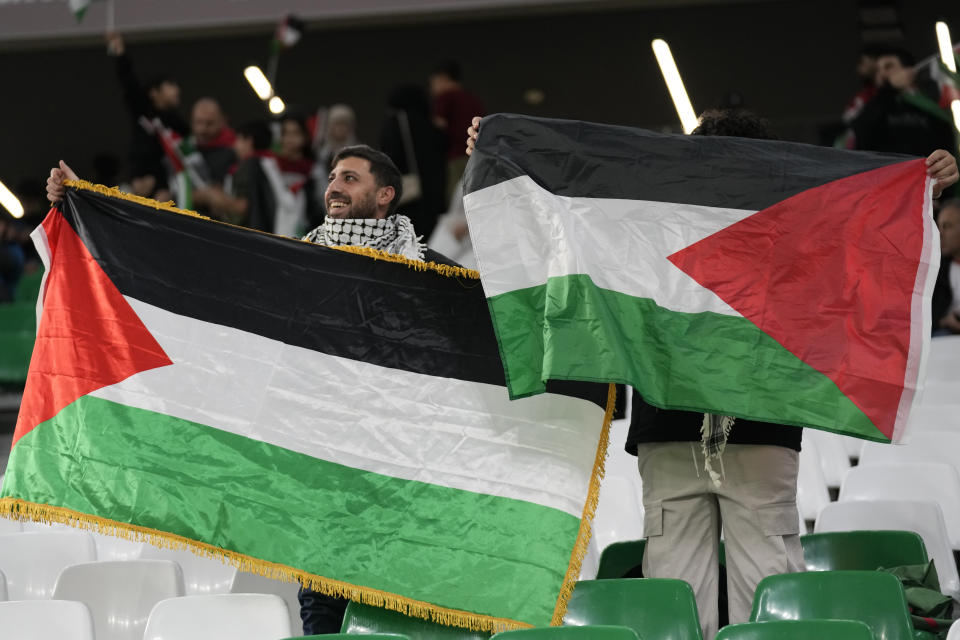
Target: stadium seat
<point>954,633</point>
<point>362,618</point>
<point>862,550</point>
<point>246,582</point>
<point>833,458</point>
<point>653,607</point>
<point>931,481</point>
<point>115,548</point>
<point>921,517</point>
<point>937,417</point>
<point>202,575</point>
<point>32,560</point>
<point>120,594</point>
<point>797,630</point>
<point>594,632</point>
<point>225,616</point>
<point>46,620</point>
<point>618,516</point>
<point>873,597</point>
<point>18,331</point>
<point>812,492</point>
<point>350,636</point>
<point>10,526</point>
<point>924,447</point>
<point>619,558</point>
<point>3,587</point>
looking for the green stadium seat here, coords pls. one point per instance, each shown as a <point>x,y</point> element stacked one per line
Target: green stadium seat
<point>862,550</point>
<point>873,597</point>
<point>364,619</point>
<point>593,632</point>
<point>29,287</point>
<point>18,330</point>
<point>652,607</point>
<point>797,630</point>
<point>619,558</point>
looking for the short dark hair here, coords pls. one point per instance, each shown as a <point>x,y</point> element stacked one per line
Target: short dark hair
<point>905,57</point>
<point>259,132</point>
<point>385,173</point>
<point>449,68</point>
<point>874,49</point>
<point>154,81</point>
<point>741,123</point>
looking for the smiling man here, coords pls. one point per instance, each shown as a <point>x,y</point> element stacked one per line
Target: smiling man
<point>361,199</point>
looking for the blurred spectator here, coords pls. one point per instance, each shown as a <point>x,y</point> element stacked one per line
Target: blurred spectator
<point>11,258</point>
<point>901,117</point>
<point>418,149</point>
<point>212,140</point>
<point>453,107</point>
<point>946,293</point>
<point>106,169</point>
<point>160,99</point>
<point>30,192</point>
<point>339,131</point>
<point>293,179</point>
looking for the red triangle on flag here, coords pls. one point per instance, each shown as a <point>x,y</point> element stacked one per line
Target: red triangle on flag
<point>830,275</point>
<point>88,336</point>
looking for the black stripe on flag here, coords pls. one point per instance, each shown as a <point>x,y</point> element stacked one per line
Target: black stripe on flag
<point>582,159</point>
<point>297,293</point>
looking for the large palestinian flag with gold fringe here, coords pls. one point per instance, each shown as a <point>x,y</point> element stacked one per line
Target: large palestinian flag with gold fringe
<point>760,279</point>
<point>301,411</point>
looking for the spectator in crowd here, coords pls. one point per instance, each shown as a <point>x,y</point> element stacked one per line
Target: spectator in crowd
<point>212,139</point>
<point>418,149</point>
<point>12,258</point>
<point>158,99</point>
<point>339,131</point>
<point>293,179</point>
<point>902,117</point>
<point>453,106</point>
<point>246,197</point>
<point>946,292</point>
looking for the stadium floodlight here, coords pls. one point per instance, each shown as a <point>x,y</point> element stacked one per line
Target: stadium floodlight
<point>10,202</point>
<point>675,85</point>
<point>950,62</point>
<point>946,46</point>
<point>261,86</point>
<point>276,105</point>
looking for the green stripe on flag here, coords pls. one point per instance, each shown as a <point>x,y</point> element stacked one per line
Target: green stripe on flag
<point>676,360</point>
<point>264,501</point>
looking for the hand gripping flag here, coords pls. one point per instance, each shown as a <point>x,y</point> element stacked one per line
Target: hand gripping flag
<point>766,280</point>
<point>301,412</point>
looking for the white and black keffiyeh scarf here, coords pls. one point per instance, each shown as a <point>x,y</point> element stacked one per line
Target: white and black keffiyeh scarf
<point>393,234</point>
<point>714,433</point>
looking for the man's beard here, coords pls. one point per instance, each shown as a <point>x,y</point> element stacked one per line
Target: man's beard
<point>366,208</point>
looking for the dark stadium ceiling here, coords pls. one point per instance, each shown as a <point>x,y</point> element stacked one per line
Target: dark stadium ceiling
<point>49,23</point>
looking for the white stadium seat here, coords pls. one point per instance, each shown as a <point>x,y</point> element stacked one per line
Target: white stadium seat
<point>120,594</point>
<point>922,517</point>
<point>833,458</point>
<point>32,560</point>
<point>924,446</point>
<point>933,481</point>
<point>46,620</point>
<point>232,616</point>
<point>10,526</point>
<point>937,417</point>
<point>3,588</point>
<point>202,576</point>
<point>619,516</point>
<point>246,582</point>
<point>115,548</point>
<point>812,492</point>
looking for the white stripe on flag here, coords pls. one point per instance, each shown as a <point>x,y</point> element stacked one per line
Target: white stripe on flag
<point>522,235</point>
<point>458,434</point>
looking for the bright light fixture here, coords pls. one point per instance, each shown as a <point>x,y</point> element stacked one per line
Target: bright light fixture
<point>258,81</point>
<point>675,85</point>
<point>276,105</point>
<point>946,46</point>
<point>10,202</point>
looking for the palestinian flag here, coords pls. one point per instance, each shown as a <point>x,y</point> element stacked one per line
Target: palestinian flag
<point>299,411</point>
<point>288,33</point>
<point>760,279</point>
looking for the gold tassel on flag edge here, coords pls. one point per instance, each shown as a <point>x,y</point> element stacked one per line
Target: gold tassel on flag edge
<point>447,270</point>
<point>14,508</point>
<point>589,510</point>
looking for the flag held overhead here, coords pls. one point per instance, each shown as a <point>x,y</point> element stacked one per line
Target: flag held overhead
<point>774,281</point>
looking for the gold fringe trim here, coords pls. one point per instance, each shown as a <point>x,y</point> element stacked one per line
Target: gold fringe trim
<point>17,509</point>
<point>589,511</point>
<point>419,265</point>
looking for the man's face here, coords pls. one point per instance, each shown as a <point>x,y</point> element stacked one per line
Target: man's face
<point>867,67</point>
<point>353,191</point>
<point>243,147</point>
<point>891,72</point>
<point>206,121</point>
<point>292,140</point>
<point>166,96</point>
<point>949,224</point>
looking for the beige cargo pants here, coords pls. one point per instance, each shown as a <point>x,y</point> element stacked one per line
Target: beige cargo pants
<point>756,505</point>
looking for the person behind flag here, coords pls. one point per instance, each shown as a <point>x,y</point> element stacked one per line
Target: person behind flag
<point>158,98</point>
<point>453,106</point>
<point>946,293</point>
